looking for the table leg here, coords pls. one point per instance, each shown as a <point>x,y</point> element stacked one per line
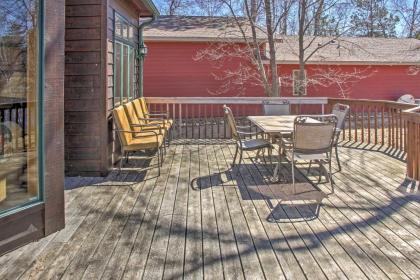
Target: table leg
<point>276,172</point>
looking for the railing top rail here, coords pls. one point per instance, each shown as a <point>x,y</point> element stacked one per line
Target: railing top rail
<point>412,114</point>
<point>386,103</point>
<point>235,100</point>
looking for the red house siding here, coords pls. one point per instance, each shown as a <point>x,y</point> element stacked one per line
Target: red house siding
<point>170,70</point>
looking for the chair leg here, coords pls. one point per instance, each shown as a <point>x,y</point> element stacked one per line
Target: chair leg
<point>121,163</point>
<point>161,156</point>
<point>338,159</point>
<point>293,176</point>
<point>330,176</point>
<point>320,171</point>
<point>236,154</point>
<point>309,167</point>
<point>240,157</point>
<point>159,161</point>
<point>263,151</point>
<point>270,154</point>
<point>126,157</point>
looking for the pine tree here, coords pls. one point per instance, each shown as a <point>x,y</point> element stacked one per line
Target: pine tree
<point>372,18</point>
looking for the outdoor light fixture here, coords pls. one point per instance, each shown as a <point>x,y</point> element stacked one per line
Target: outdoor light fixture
<point>143,50</point>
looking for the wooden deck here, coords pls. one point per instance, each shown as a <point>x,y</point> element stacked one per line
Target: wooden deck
<point>199,220</point>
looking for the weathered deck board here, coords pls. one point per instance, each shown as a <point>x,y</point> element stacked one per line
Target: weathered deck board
<point>201,219</point>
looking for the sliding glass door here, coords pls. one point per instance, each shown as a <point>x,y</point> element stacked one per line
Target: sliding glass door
<point>19,103</point>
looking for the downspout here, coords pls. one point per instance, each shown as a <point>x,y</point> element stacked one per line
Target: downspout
<point>141,52</point>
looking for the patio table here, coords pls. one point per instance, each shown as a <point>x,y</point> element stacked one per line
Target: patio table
<point>274,126</point>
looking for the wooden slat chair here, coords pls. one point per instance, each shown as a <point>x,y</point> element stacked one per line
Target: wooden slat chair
<point>245,144</point>
<point>140,107</point>
<point>311,141</point>
<point>133,140</point>
<point>139,124</point>
<point>341,111</point>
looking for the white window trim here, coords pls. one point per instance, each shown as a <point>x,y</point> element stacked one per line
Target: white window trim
<point>293,78</point>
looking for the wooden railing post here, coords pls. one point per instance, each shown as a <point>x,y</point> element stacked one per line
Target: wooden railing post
<point>412,120</point>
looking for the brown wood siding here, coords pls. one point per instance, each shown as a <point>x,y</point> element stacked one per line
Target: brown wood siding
<point>84,88</point>
<point>90,143</point>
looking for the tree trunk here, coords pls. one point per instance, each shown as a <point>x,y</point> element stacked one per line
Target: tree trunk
<point>275,89</point>
<point>301,77</point>
<point>413,19</point>
<point>318,17</point>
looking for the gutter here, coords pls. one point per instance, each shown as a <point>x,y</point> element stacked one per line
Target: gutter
<point>142,51</point>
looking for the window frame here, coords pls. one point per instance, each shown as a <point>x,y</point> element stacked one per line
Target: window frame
<point>132,48</point>
<point>40,145</point>
<point>295,93</point>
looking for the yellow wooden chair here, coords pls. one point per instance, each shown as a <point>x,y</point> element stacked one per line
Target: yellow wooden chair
<point>145,109</point>
<point>138,123</point>
<point>145,117</point>
<point>136,139</point>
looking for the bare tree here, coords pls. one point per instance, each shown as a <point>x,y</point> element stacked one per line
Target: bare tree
<point>409,12</point>
<point>310,15</point>
<point>257,22</point>
<point>175,7</point>
<point>208,7</point>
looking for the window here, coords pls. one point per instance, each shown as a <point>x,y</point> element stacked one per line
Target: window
<point>124,73</point>
<point>19,103</point>
<point>299,87</point>
<point>124,61</point>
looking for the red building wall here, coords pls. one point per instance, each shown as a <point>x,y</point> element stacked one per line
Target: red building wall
<point>171,70</point>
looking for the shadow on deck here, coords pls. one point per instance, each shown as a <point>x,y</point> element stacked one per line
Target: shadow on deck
<point>203,219</point>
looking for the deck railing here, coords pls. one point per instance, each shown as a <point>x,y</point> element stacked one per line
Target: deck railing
<point>386,125</point>
<point>411,118</point>
<point>202,117</point>
<point>375,122</point>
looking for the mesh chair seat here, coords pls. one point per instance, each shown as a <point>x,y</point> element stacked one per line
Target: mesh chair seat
<point>254,144</point>
<point>302,156</point>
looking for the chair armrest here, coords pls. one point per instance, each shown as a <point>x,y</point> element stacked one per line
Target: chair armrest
<point>249,133</point>
<point>138,132</point>
<point>151,125</point>
<point>158,114</point>
<point>153,119</point>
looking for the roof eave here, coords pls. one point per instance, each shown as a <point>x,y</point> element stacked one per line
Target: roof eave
<point>195,39</point>
<point>150,6</point>
<point>383,63</point>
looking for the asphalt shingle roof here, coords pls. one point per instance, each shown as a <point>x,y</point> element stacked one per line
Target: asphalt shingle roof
<point>343,50</point>
<point>197,28</point>
<point>351,50</point>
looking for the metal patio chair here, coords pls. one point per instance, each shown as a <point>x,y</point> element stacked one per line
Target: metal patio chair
<point>341,111</point>
<point>133,140</point>
<point>276,108</point>
<point>243,144</point>
<point>311,141</point>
